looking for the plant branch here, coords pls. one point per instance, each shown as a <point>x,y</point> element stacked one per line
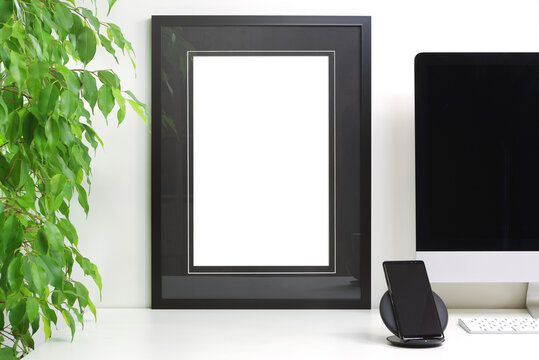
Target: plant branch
<point>8,89</point>
<point>11,170</point>
<point>18,210</point>
<point>39,176</point>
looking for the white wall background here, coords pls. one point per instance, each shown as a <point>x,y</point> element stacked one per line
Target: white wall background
<point>116,234</point>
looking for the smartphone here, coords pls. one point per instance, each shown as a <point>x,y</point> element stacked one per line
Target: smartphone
<point>411,297</point>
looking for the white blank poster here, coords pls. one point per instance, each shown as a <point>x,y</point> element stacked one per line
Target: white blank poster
<point>260,160</point>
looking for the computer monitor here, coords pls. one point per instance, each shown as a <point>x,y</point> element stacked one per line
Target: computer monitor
<point>477,166</point>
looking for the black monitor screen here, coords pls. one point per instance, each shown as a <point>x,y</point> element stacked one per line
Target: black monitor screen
<point>477,151</point>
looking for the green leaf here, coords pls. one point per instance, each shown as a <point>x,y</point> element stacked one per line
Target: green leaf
<point>92,308</point>
<point>22,174</point>
<point>79,315</point>
<point>69,293</point>
<point>83,113</point>
<point>40,139</point>
<point>15,274</point>
<point>42,38</point>
<point>130,93</point>
<point>11,236</point>
<point>91,139</point>
<point>17,68</point>
<point>86,45</point>
<point>28,127</point>
<point>57,184</point>
<point>52,132</point>
<point>77,27</point>
<point>13,299</point>
<point>115,33</point>
<point>52,268</point>
<point>35,44</point>
<point>42,243</point>
<point>5,31</point>
<point>92,134</point>
<point>17,313</point>
<point>120,115</point>
<point>73,82</point>
<point>108,46</point>
<point>64,209</point>
<point>121,104</point>
<point>28,200</point>
<point>68,103</point>
<point>105,100</point>
<point>66,135</point>
<point>89,269</point>
<point>35,324</point>
<point>13,100</point>
<point>26,338</point>
<point>4,111</point>
<point>36,277</point>
<point>82,294</point>
<point>69,231</point>
<point>79,153</point>
<point>90,88</point>
<point>69,261</point>
<point>34,87</point>
<point>19,33</point>
<point>70,321</point>
<point>46,327</point>
<point>79,177</point>
<point>57,297</point>
<point>48,22</point>
<point>48,99</point>
<point>38,69</point>
<point>91,18</point>
<point>83,198</point>
<point>14,127</point>
<point>32,309</point>
<point>109,78</point>
<point>111,3</point>
<point>63,17</point>
<point>47,312</point>
<point>6,10</point>
<point>68,189</point>
<point>7,353</point>
<point>18,172</point>
<point>55,237</point>
<point>138,109</point>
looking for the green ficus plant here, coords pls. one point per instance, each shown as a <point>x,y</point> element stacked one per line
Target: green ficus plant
<point>48,95</point>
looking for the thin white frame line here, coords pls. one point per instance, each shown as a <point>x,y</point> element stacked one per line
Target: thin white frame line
<point>334,163</point>
<point>334,167</point>
<point>261,272</point>
<point>188,172</point>
<point>259,51</point>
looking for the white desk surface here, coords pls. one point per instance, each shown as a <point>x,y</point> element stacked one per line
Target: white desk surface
<point>268,334</point>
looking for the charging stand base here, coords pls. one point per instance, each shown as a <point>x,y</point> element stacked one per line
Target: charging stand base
<point>419,343</point>
<point>386,312</point>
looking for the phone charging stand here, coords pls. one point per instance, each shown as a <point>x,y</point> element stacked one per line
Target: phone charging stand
<point>386,311</point>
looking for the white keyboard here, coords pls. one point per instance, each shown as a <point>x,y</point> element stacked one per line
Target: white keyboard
<point>500,325</point>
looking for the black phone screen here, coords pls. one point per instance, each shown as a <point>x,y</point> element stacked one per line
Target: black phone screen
<point>412,300</point>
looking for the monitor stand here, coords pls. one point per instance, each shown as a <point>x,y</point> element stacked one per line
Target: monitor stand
<point>532,299</point>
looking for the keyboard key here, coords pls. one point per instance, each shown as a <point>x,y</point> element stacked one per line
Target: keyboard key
<point>500,325</point>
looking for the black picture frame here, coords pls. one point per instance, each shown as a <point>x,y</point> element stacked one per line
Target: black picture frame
<point>176,283</point>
